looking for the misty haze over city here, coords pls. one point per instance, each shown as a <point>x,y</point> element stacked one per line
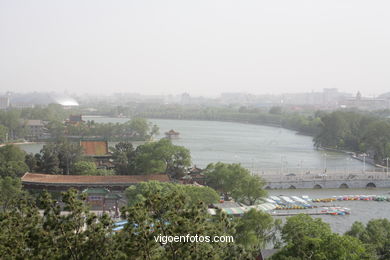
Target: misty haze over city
<point>198,47</point>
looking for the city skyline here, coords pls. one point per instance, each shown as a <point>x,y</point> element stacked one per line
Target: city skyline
<point>202,48</point>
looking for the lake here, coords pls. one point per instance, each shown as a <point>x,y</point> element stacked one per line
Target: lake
<point>258,148</point>
<point>264,148</point>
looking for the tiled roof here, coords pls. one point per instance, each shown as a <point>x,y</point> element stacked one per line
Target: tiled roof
<point>94,148</point>
<point>87,179</point>
<point>34,123</point>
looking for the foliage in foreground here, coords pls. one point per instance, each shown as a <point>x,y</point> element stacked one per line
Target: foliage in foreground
<point>375,235</point>
<point>311,238</point>
<point>73,232</point>
<point>138,193</point>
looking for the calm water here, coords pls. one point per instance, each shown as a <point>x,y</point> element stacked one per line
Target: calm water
<point>256,147</point>
<point>262,148</point>
<point>361,211</point>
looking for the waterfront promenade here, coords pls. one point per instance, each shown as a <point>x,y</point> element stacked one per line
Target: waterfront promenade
<point>317,179</point>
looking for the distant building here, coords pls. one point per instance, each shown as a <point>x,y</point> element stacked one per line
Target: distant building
<point>35,129</point>
<point>29,100</point>
<point>95,148</point>
<point>98,150</point>
<point>75,119</point>
<point>363,103</point>
<point>4,102</point>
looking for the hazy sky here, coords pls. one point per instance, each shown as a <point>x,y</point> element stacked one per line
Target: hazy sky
<point>200,47</point>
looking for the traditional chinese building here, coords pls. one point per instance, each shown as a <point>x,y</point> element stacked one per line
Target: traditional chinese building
<point>117,183</point>
<point>98,150</point>
<point>172,134</point>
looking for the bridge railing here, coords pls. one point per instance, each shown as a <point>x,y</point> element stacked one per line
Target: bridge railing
<point>325,177</point>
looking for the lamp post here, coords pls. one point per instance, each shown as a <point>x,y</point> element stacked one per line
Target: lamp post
<point>325,162</point>
<point>347,170</point>
<point>364,162</point>
<point>281,165</point>
<point>387,167</point>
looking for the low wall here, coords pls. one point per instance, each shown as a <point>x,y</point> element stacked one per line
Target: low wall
<point>358,181</point>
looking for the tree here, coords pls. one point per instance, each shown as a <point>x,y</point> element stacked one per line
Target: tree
<point>84,168</point>
<point>79,234</point>
<point>161,157</point>
<point>168,214</point>
<point>193,194</point>
<point>375,235</point>
<point>308,238</point>
<point>10,190</point>
<point>3,134</point>
<point>60,157</point>
<point>277,110</point>
<point>69,154</point>
<point>139,126</point>
<point>249,190</point>
<point>49,159</point>
<point>255,229</point>
<point>12,161</point>
<point>232,180</point>
<point>123,156</point>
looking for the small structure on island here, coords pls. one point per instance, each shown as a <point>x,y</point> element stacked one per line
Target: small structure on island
<point>172,134</point>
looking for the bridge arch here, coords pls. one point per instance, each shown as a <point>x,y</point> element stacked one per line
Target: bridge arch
<point>370,185</point>
<point>292,187</point>
<point>344,186</point>
<point>317,186</point>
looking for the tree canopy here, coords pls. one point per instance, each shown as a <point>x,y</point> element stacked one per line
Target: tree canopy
<point>153,157</point>
<point>375,235</point>
<point>310,238</point>
<point>193,194</point>
<point>232,180</point>
<point>12,161</point>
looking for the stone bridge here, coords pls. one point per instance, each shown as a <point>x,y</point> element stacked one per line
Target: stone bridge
<point>322,181</point>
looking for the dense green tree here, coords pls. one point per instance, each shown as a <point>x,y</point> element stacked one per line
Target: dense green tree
<point>161,157</point>
<point>10,190</point>
<point>142,128</point>
<point>84,168</point>
<point>249,190</point>
<point>375,235</point>
<point>12,161</point>
<point>123,156</point>
<point>56,129</point>
<point>69,153</point>
<point>308,238</point>
<point>168,214</point>
<point>193,194</point>
<point>3,134</point>
<point>232,180</point>
<point>356,132</point>
<point>59,157</point>
<point>78,234</point>
<point>49,159</point>
<point>255,229</point>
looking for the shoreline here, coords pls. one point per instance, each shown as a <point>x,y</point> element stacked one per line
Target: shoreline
<point>19,143</point>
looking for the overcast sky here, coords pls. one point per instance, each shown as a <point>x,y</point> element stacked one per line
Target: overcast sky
<point>200,47</point>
